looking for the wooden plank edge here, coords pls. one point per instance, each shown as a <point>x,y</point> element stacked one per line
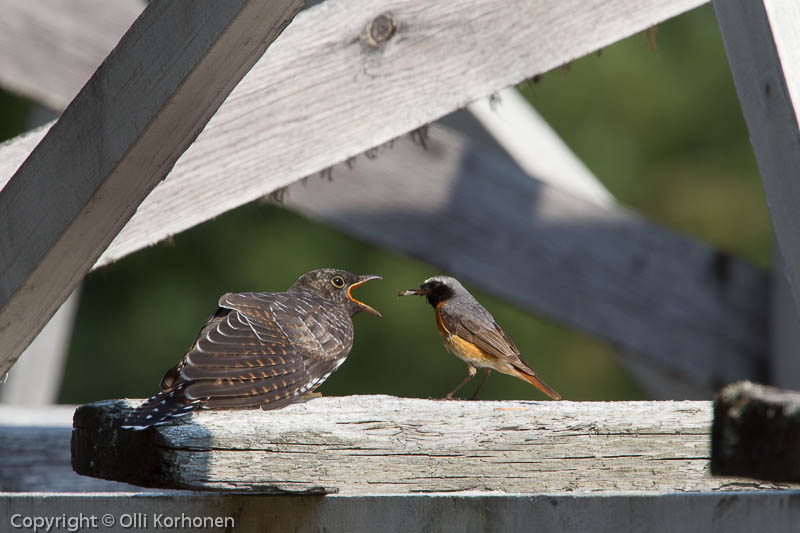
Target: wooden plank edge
<point>49,239</point>
<point>756,433</point>
<point>141,457</point>
<point>731,512</point>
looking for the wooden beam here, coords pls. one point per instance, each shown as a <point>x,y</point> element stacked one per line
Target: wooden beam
<point>381,444</point>
<point>49,48</point>
<point>323,90</point>
<point>762,39</point>
<point>535,146</point>
<point>742,511</point>
<point>36,456</point>
<point>756,433</point>
<point>36,378</point>
<point>117,139</point>
<point>513,124</point>
<point>677,304</point>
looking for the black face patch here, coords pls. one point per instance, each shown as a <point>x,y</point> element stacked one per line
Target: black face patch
<point>437,292</point>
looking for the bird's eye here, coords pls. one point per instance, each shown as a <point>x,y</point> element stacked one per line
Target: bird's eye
<point>337,281</point>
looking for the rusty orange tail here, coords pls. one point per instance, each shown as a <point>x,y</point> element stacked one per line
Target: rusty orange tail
<point>541,385</point>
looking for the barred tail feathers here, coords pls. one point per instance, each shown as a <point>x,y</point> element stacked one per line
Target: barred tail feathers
<point>161,408</point>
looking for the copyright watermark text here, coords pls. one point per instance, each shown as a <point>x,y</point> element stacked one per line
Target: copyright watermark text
<point>132,521</point>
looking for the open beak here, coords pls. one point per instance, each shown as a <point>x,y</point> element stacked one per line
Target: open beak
<point>364,307</point>
<point>411,292</point>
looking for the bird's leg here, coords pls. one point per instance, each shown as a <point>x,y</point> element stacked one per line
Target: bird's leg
<point>486,373</point>
<point>470,374</point>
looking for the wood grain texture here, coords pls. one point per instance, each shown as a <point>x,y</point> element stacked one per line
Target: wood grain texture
<point>322,95</point>
<point>762,40</point>
<point>49,48</point>
<point>756,433</point>
<point>118,138</point>
<point>683,307</point>
<point>382,444</point>
<point>354,97</point>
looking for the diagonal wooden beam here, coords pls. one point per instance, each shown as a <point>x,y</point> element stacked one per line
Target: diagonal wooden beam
<point>49,48</point>
<point>328,94</point>
<point>668,301</point>
<point>540,153</point>
<point>538,150</point>
<point>117,139</point>
<point>762,39</point>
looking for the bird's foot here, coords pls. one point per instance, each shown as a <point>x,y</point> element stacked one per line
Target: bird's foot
<point>308,396</point>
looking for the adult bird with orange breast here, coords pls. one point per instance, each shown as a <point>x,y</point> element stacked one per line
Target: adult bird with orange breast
<point>470,333</point>
<point>265,349</point>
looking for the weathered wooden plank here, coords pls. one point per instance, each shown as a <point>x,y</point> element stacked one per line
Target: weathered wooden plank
<point>49,48</point>
<point>36,455</point>
<point>382,444</point>
<point>688,309</point>
<point>762,39</point>
<point>118,138</point>
<point>731,512</point>
<point>756,433</point>
<point>354,96</point>
<point>322,66</point>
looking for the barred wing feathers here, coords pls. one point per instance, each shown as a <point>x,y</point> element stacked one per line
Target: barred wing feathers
<point>257,349</point>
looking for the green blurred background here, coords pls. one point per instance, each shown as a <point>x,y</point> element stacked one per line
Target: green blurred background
<point>655,117</point>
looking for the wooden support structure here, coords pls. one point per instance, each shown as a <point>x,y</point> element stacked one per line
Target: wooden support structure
<point>756,433</point>
<point>226,166</point>
<point>51,489</point>
<point>118,138</point>
<point>36,378</point>
<point>535,146</point>
<point>49,48</point>
<point>732,512</point>
<point>36,456</point>
<point>385,445</point>
<point>762,39</point>
<point>590,266</point>
<point>538,150</point>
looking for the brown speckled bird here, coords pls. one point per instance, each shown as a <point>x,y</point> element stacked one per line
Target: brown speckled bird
<point>264,349</point>
<point>470,333</point>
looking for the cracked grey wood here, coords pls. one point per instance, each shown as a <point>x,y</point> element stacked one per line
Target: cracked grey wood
<point>327,97</point>
<point>117,139</point>
<point>668,301</point>
<point>383,444</point>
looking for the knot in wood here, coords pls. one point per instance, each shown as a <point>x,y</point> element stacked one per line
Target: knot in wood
<point>379,30</point>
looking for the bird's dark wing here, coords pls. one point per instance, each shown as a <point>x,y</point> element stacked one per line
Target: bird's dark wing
<point>264,349</point>
<point>479,328</point>
<point>485,333</point>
